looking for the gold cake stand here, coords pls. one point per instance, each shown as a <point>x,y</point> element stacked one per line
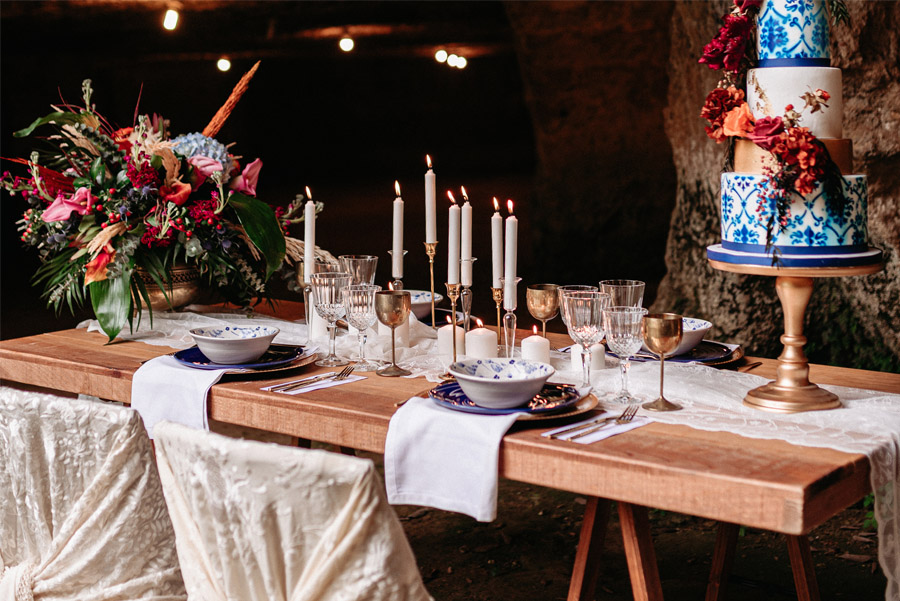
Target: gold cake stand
<point>791,391</point>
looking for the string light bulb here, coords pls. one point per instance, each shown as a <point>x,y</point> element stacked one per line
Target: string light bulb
<point>461,62</point>
<point>223,64</point>
<point>346,44</point>
<point>452,60</point>
<point>441,56</point>
<point>170,21</point>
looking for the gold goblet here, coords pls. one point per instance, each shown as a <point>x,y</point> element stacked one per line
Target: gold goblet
<point>662,335</point>
<point>542,301</point>
<point>392,308</point>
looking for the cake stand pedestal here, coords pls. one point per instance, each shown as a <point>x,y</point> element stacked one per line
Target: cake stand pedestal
<point>791,391</point>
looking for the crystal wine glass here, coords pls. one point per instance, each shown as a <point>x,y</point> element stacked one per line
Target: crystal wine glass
<point>584,315</point>
<point>662,335</point>
<point>624,338</point>
<point>326,289</point>
<point>543,303</point>
<point>392,308</point>
<point>359,304</point>
<point>360,267</point>
<point>623,293</point>
<point>560,290</point>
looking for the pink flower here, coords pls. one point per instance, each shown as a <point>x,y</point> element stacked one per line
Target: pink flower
<point>61,209</point>
<point>204,167</point>
<point>246,181</point>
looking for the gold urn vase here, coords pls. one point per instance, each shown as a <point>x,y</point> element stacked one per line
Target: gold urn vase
<point>186,289</point>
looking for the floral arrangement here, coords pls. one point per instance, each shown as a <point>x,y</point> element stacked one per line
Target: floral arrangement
<point>105,203</point>
<point>801,161</point>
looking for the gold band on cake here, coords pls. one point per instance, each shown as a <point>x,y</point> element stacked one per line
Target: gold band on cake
<point>750,158</point>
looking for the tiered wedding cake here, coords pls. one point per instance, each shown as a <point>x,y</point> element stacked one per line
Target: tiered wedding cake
<point>793,79</point>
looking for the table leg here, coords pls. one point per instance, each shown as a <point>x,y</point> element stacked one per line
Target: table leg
<point>722,560</point>
<point>803,568</point>
<point>590,544</point>
<point>639,553</point>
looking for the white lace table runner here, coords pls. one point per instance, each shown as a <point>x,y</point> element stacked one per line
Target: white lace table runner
<point>868,423</point>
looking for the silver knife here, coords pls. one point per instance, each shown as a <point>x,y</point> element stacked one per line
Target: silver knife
<point>594,422</point>
<point>303,382</point>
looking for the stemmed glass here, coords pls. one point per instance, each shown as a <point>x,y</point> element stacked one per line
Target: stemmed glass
<point>624,337</point>
<point>326,289</point>
<point>359,303</point>
<point>623,293</point>
<point>560,290</point>
<point>392,309</point>
<point>360,267</point>
<point>543,303</point>
<point>584,316</point>
<point>662,335</point>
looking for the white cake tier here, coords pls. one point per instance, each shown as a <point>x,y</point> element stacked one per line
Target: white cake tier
<point>811,227</point>
<point>770,90</point>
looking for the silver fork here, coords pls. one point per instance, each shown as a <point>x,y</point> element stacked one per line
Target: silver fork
<point>341,375</point>
<point>598,421</point>
<point>626,417</point>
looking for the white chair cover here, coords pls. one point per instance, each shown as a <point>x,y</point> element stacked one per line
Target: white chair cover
<point>262,522</point>
<point>82,514</point>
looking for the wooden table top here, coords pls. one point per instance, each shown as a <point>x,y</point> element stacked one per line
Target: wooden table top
<point>766,484</point>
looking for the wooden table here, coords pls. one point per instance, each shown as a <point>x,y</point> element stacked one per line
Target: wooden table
<point>766,484</point>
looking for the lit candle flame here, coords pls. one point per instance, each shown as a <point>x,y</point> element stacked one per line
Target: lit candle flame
<point>464,195</point>
<point>449,320</point>
<point>479,323</point>
<point>397,188</point>
<point>308,193</point>
<point>496,204</point>
<point>534,329</point>
<point>390,285</point>
<point>428,160</point>
<point>509,205</point>
<point>450,196</point>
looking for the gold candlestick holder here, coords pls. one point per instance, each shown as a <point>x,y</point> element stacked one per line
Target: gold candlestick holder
<point>453,293</point>
<point>497,295</point>
<point>430,251</point>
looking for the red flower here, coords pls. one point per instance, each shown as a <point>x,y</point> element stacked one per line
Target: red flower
<point>150,237</point>
<point>120,137</point>
<point>718,104</point>
<point>744,5</point>
<point>798,151</point>
<point>727,49</point>
<point>95,270</point>
<point>766,131</point>
<point>178,193</point>
<point>145,175</point>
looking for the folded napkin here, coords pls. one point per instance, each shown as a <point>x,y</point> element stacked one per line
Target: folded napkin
<point>164,389</point>
<point>609,428</point>
<point>317,385</point>
<point>442,458</point>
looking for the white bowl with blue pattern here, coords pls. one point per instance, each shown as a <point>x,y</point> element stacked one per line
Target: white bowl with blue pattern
<point>500,383</point>
<point>694,330</point>
<point>233,345</point>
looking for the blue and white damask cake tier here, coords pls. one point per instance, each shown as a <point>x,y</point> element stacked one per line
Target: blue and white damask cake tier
<point>813,235</point>
<point>793,33</point>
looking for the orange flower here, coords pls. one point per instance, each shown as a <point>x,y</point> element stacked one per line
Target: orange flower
<point>120,137</point>
<point>96,267</point>
<point>738,121</point>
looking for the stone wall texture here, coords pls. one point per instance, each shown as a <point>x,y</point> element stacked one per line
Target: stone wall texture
<point>851,321</point>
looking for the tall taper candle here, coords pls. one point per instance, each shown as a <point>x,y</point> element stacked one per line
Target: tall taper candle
<point>309,237</point>
<point>510,255</point>
<point>496,246</point>
<point>453,242</point>
<point>397,247</point>
<point>466,241</point>
<point>430,210</point>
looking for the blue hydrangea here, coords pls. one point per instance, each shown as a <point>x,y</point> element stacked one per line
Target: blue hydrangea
<point>194,144</point>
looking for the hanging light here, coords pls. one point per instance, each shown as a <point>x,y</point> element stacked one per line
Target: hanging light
<point>440,56</point>
<point>452,60</point>
<point>461,62</point>
<point>170,21</point>
<point>223,64</point>
<point>346,44</point>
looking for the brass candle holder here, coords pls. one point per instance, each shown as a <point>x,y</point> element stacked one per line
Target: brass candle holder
<point>430,251</point>
<point>453,293</point>
<point>497,295</point>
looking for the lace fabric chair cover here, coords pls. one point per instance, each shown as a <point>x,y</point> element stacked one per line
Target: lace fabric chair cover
<point>261,522</point>
<point>82,513</point>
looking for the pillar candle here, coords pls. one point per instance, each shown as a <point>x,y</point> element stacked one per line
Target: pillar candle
<point>598,357</point>
<point>397,246</point>
<point>309,236</point>
<point>510,253</point>
<point>496,246</point>
<point>453,242</point>
<point>466,243</point>
<point>445,340</point>
<point>430,211</point>
<point>536,348</point>
<point>481,343</point>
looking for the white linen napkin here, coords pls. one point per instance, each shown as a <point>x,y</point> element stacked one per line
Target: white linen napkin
<point>164,389</point>
<point>317,385</point>
<point>438,457</point>
<point>608,429</point>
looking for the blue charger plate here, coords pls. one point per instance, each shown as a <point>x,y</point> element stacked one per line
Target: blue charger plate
<point>278,355</point>
<point>551,398</point>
